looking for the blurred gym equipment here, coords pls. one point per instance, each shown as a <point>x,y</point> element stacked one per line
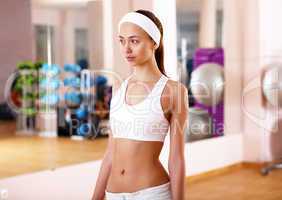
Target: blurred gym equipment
<point>200,125</point>
<point>272,91</point>
<point>207,84</point>
<point>272,84</point>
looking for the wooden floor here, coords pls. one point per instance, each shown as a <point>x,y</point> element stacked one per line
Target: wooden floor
<point>20,155</point>
<point>241,183</point>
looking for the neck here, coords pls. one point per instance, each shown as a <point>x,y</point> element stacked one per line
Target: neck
<point>147,71</point>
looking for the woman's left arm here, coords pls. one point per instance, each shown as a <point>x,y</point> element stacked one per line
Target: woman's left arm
<point>178,125</point>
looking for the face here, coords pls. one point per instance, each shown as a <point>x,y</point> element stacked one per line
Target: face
<point>135,44</point>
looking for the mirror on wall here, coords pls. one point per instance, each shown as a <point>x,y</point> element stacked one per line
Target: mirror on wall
<point>188,18</point>
<point>68,29</point>
<point>81,45</point>
<point>44,36</point>
<point>200,64</point>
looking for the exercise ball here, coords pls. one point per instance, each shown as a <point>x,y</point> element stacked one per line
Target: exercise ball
<point>73,68</point>
<point>82,112</point>
<point>100,80</point>
<point>272,84</point>
<point>50,99</point>
<point>73,98</point>
<point>84,129</point>
<point>207,84</point>
<point>50,70</point>
<point>200,124</point>
<point>72,81</point>
<point>52,84</point>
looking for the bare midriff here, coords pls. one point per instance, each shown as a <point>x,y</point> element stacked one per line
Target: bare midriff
<point>135,166</point>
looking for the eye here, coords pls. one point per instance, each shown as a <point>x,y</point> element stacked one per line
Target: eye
<point>121,41</point>
<point>135,41</point>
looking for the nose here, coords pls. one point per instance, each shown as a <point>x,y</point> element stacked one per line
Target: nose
<point>127,48</point>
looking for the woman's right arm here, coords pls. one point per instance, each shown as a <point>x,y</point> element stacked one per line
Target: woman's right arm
<point>105,169</point>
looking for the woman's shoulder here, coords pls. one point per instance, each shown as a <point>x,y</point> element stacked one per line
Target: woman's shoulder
<point>176,86</point>
<point>176,90</point>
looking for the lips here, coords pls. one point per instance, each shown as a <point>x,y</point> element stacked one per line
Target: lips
<point>130,58</point>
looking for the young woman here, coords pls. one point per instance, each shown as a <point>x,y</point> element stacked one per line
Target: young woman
<point>144,108</point>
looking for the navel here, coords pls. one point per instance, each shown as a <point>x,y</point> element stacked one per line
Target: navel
<point>122,172</point>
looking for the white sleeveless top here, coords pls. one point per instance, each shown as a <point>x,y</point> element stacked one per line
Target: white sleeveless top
<point>142,121</point>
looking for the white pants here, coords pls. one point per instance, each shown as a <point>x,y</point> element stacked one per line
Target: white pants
<point>160,192</point>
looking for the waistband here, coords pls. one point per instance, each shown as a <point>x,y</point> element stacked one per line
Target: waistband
<point>163,187</point>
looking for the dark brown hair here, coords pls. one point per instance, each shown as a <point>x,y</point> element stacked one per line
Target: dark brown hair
<point>159,53</point>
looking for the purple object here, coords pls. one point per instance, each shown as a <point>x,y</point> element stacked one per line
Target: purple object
<point>211,55</point>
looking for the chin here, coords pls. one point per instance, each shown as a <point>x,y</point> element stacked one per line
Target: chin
<point>132,64</point>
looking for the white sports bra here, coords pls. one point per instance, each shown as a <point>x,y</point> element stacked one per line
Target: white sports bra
<point>142,121</point>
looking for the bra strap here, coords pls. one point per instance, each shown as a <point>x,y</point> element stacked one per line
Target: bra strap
<point>160,86</point>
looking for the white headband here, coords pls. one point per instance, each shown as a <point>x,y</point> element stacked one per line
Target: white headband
<point>144,22</point>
